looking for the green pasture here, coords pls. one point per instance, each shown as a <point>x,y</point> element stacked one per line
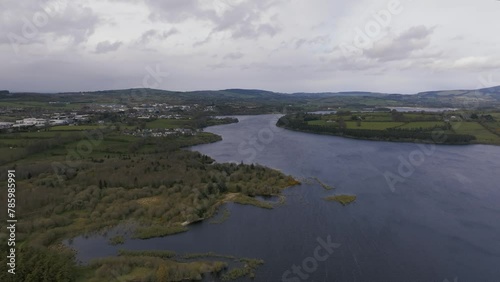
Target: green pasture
<point>168,123</point>
<point>422,124</point>
<point>482,134</point>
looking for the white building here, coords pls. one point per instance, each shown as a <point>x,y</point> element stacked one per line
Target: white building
<point>31,121</point>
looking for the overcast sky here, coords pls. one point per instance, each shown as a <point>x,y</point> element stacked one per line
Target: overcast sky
<point>279,45</point>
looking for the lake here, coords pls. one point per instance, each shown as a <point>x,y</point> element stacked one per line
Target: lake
<point>439,220</point>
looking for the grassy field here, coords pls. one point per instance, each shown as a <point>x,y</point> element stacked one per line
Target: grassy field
<point>43,105</point>
<point>476,128</point>
<point>422,124</point>
<point>377,117</point>
<point>482,134</point>
<point>167,123</point>
<point>485,131</point>
<point>35,135</point>
<point>76,127</point>
<point>496,115</point>
<point>320,122</point>
<point>375,125</point>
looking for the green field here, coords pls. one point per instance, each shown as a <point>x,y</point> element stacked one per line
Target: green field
<point>496,116</point>
<point>43,105</point>
<point>377,117</point>
<point>168,123</point>
<point>76,127</point>
<point>373,125</point>
<point>321,122</point>
<point>477,128</point>
<point>489,133</point>
<point>422,124</point>
<point>482,134</point>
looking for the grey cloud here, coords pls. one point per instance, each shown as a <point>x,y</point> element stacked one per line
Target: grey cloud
<point>153,34</point>
<point>167,34</point>
<point>178,10</point>
<point>458,38</point>
<point>217,66</point>
<point>77,22</point>
<point>242,20</point>
<point>202,42</point>
<point>234,56</point>
<point>402,46</point>
<point>146,36</point>
<point>106,47</point>
<point>317,40</point>
<point>32,21</point>
<point>245,20</point>
<point>337,64</point>
<point>299,43</point>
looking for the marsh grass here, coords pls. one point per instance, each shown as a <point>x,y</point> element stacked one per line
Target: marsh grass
<point>116,240</point>
<point>324,185</point>
<point>247,200</point>
<point>343,199</point>
<point>160,254</point>
<point>157,231</point>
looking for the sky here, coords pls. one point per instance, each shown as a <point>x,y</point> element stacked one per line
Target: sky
<point>390,46</point>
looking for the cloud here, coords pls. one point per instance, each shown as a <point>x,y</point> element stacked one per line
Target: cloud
<point>154,34</point>
<point>241,19</point>
<point>246,20</point>
<point>176,11</point>
<point>45,22</point>
<point>458,38</point>
<point>402,46</point>
<point>321,40</point>
<point>234,56</point>
<point>106,47</point>
<point>477,63</point>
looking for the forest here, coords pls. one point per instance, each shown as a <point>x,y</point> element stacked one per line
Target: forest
<point>150,183</point>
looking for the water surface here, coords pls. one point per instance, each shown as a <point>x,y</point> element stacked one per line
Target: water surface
<point>442,222</point>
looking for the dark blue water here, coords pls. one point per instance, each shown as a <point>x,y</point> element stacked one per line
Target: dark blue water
<point>440,221</point>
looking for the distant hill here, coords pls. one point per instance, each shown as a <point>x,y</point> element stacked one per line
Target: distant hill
<point>254,98</point>
<point>337,94</point>
<point>482,96</point>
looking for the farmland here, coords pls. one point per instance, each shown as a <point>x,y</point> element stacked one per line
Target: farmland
<point>457,127</point>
